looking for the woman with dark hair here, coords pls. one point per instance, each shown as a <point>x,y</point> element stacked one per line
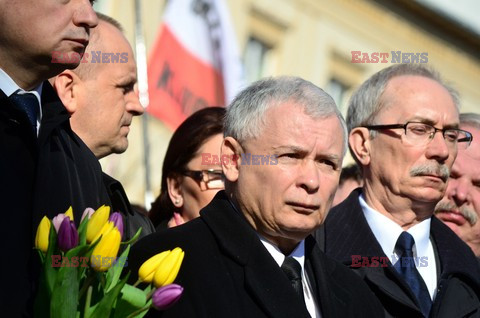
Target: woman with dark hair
<point>188,183</point>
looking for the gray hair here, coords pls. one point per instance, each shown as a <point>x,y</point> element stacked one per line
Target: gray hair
<point>471,119</point>
<point>366,103</point>
<point>246,114</point>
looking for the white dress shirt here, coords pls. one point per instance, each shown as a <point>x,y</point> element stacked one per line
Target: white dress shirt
<point>9,87</point>
<point>386,232</point>
<point>299,255</point>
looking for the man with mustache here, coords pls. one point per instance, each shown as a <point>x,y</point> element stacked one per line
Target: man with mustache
<point>403,131</point>
<point>460,207</point>
<point>103,122</point>
<point>35,137</point>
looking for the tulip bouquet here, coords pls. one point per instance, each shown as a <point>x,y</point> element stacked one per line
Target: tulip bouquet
<point>81,273</point>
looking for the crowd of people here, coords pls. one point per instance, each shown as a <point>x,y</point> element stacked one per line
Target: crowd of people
<point>274,238</point>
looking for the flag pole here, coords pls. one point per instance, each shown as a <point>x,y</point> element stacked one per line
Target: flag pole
<point>141,54</point>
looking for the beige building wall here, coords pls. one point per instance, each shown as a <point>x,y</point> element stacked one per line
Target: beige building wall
<point>312,39</point>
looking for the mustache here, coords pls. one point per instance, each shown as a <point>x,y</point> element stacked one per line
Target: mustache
<point>439,170</point>
<point>467,213</point>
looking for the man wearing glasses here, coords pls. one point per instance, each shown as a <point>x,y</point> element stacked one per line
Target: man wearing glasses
<point>403,131</point>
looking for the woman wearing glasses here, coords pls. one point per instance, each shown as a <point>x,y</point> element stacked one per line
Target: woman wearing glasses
<point>188,182</point>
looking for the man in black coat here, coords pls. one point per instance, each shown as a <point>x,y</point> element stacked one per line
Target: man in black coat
<point>103,122</point>
<point>281,157</point>
<point>30,31</point>
<point>403,131</point>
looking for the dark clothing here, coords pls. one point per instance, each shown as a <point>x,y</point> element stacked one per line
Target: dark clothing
<point>227,272</point>
<point>18,157</point>
<point>68,174</point>
<point>347,235</point>
<point>132,220</point>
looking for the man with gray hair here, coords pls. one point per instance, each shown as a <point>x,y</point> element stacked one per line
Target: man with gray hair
<point>404,132</point>
<point>250,253</point>
<point>460,207</point>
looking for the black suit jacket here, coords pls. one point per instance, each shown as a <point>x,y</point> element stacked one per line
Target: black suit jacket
<point>346,233</point>
<point>18,157</point>
<point>227,272</point>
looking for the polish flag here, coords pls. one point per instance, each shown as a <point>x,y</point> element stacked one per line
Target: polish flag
<point>194,62</point>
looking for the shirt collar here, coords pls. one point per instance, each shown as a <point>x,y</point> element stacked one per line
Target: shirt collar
<point>386,231</point>
<point>9,87</point>
<point>298,253</point>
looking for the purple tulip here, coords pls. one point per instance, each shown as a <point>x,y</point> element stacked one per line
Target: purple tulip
<point>67,235</point>
<point>117,220</point>
<point>166,296</point>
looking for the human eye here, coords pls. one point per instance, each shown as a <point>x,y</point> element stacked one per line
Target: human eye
<point>127,88</point>
<point>451,135</point>
<point>419,129</point>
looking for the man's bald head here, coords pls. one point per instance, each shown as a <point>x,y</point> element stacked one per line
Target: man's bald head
<point>99,94</point>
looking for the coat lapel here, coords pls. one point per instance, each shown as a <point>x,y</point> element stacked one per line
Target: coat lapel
<point>348,234</point>
<point>264,280</point>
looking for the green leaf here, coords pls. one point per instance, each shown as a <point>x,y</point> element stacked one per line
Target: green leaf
<point>65,294</point>
<point>114,272</point>
<point>134,238</point>
<point>131,299</point>
<point>105,305</point>
<point>82,232</point>
<point>47,277</point>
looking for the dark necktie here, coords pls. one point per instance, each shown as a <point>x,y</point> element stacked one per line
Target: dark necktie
<point>27,103</point>
<point>405,266</point>
<point>293,270</point>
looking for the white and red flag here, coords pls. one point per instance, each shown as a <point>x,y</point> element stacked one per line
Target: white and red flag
<point>194,62</point>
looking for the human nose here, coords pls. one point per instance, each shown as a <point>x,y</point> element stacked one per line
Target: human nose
<point>133,104</point>
<point>438,148</point>
<point>458,190</point>
<point>85,15</point>
<point>309,176</point>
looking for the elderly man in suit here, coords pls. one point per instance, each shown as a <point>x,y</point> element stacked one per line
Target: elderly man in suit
<point>30,115</point>
<point>460,207</point>
<point>404,132</point>
<point>250,253</point>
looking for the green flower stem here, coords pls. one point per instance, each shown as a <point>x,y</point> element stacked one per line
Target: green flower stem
<point>139,311</point>
<point>86,313</point>
<point>137,282</point>
<point>149,295</point>
<point>86,284</point>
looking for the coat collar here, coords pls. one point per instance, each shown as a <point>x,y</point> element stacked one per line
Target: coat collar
<point>263,277</point>
<point>347,233</point>
<point>54,113</point>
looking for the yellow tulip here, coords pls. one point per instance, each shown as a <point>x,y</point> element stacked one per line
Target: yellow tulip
<point>148,268</point>
<point>96,222</point>
<point>168,268</point>
<point>107,227</point>
<point>104,254</point>
<point>69,213</point>
<point>43,232</point>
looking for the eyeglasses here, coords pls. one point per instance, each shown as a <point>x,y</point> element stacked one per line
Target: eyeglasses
<point>421,134</point>
<point>212,178</point>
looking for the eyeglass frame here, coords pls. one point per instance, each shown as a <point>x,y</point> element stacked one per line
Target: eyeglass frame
<point>468,138</point>
<point>203,175</point>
